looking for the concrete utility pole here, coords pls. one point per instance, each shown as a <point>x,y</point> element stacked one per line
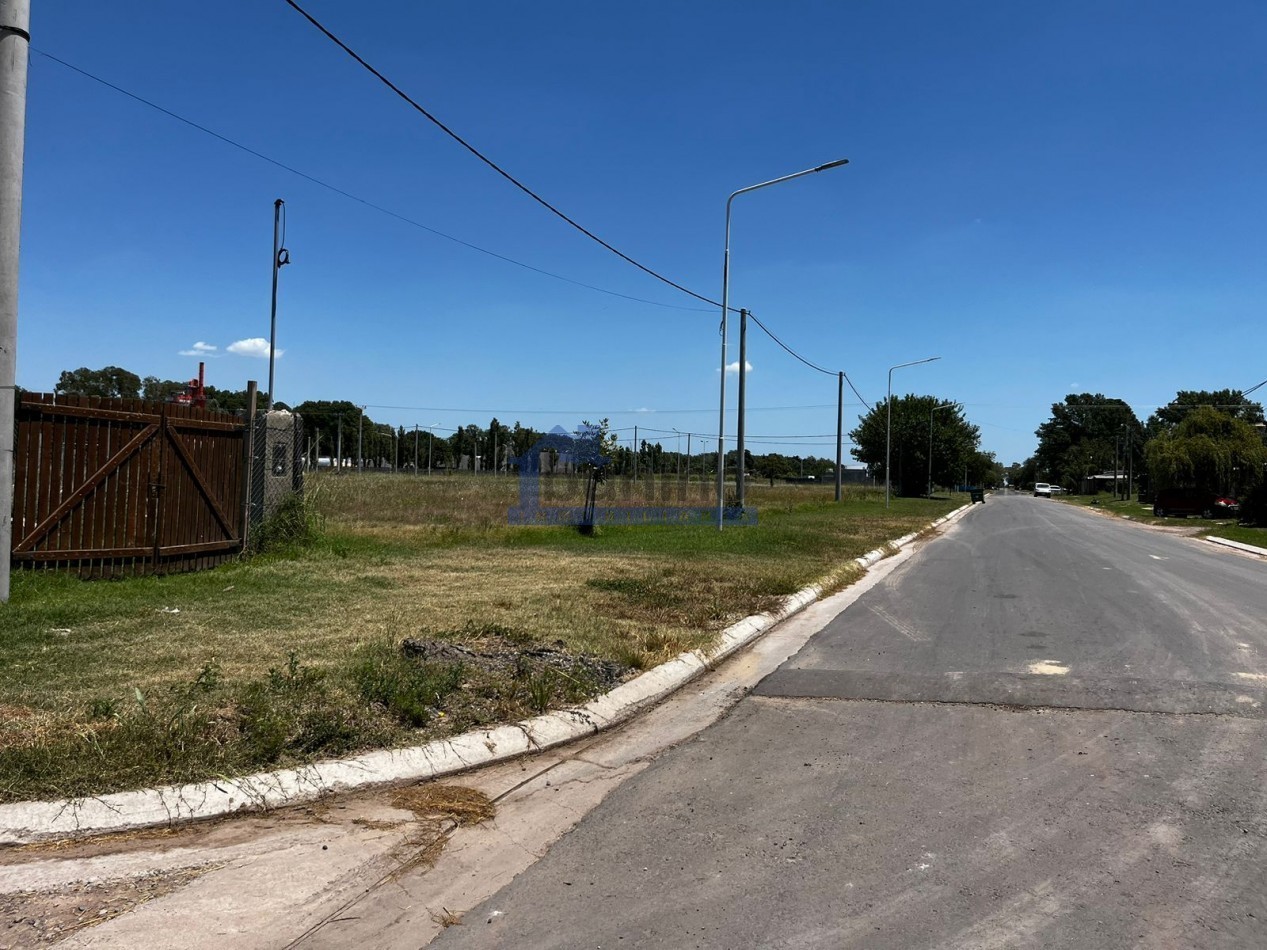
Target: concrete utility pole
<point>840,424</point>
<point>281,257</point>
<point>15,45</point>
<point>360,431</point>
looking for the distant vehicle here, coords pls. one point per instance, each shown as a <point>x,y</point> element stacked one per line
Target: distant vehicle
<point>1042,490</point>
<point>1194,501</point>
<point>1055,490</point>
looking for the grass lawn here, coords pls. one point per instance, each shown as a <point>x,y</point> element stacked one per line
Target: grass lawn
<point>296,654</point>
<point>1132,509</point>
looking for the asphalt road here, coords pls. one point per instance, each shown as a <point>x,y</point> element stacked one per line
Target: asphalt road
<point>1045,729</point>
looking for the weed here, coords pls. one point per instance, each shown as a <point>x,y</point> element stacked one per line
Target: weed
<point>541,689</point>
<point>296,523</point>
<point>410,690</point>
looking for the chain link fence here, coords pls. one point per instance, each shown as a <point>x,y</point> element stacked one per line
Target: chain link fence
<point>276,471</point>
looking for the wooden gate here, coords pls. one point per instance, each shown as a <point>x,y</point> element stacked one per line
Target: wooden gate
<point>114,486</point>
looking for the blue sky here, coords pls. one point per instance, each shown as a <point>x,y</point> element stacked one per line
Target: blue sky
<point>1051,198</point>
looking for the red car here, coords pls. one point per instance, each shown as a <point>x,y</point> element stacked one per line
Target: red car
<point>1193,501</point>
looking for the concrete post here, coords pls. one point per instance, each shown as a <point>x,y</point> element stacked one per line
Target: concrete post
<point>15,42</point>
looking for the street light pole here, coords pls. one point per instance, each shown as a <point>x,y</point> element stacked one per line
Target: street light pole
<point>888,428</point>
<point>944,405</point>
<point>725,310</point>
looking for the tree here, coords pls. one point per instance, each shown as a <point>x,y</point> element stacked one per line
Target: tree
<point>110,381</point>
<point>955,442</point>
<point>1228,401</point>
<point>1211,450</point>
<point>154,389</point>
<point>1087,433</point>
<point>601,432</point>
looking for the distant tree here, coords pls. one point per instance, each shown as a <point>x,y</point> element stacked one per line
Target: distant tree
<point>1208,449</point>
<point>1084,435</point>
<point>1228,401</point>
<point>110,381</point>
<point>154,389</point>
<point>955,443</point>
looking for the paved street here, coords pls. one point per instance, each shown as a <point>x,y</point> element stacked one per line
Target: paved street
<point>1041,728</point>
<point>1044,729</point>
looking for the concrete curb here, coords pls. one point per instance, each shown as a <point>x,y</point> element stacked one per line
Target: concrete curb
<point>1238,545</point>
<point>28,822</point>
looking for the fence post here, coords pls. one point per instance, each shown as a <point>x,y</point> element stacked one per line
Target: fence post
<point>248,459</point>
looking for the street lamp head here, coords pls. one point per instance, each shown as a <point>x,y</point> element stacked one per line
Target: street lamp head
<point>838,162</point>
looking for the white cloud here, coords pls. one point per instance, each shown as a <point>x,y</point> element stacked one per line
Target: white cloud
<point>734,367</point>
<point>200,349</point>
<point>256,346</point>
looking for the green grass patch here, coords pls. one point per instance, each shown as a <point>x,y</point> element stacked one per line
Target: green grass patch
<point>295,654</point>
<point>1242,533</point>
<point>1135,511</point>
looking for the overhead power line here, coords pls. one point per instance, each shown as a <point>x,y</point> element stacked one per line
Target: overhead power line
<point>347,194</point>
<point>811,365</point>
<point>488,161</point>
<point>1253,388</point>
<point>592,412</point>
<point>434,231</point>
<point>325,31</point>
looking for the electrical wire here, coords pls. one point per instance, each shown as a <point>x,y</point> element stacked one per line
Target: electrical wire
<point>349,195</point>
<point>1253,388</point>
<point>488,161</point>
<point>430,230</point>
<point>811,365</point>
<point>595,412</point>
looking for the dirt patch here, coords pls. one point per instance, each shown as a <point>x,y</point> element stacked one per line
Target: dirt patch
<point>497,655</point>
<point>32,919</point>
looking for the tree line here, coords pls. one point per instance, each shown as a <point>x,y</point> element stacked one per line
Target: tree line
<point>932,442</point>
<point>1208,440</point>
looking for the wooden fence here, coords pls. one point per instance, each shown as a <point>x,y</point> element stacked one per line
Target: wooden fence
<point>120,486</point>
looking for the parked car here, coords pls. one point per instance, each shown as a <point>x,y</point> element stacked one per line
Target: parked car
<point>1194,501</point>
<point>1055,490</point>
<point>1042,490</point>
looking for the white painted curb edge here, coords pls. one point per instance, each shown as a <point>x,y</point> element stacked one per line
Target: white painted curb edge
<point>27,822</point>
<point>1239,545</point>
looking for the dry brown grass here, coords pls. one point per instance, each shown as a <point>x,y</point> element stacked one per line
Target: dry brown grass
<point>434,800</point>
<point>432,558</point>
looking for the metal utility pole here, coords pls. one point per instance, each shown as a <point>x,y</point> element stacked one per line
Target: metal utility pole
<point>339,445</point>
<point>1116,465</point>
<point>281,257</point>
<point>415,449</point>
<point>635,456</point>
<point>840,424</point>
<point>888,428</point>
<point>725,312</point>
<point>15,44</point>
<point>1130,461</point>
<point>739,429</point>
<point>944,405</point>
